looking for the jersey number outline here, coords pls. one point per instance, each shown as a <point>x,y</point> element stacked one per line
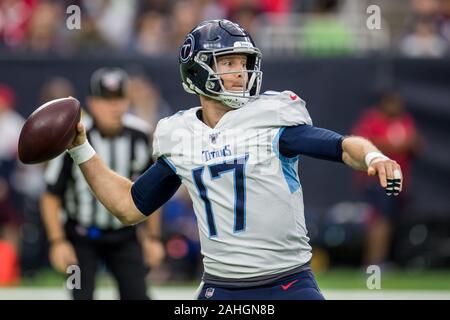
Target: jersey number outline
<point>236,165</point>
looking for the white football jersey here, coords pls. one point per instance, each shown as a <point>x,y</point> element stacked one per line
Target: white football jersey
<point>247,197</point>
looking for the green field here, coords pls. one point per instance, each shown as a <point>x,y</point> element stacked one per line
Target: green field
<point>394,280</point>
<point>352,279</point>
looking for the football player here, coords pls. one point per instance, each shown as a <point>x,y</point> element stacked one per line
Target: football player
<point>237,154</point>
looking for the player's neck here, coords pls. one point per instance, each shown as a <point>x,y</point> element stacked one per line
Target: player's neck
<point>212,111</point>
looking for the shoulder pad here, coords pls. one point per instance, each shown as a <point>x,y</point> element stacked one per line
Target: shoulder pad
<point>282,109</point>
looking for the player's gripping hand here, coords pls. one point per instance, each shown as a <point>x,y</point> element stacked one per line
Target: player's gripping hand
<point>389,173</point>
<point>80,138</point>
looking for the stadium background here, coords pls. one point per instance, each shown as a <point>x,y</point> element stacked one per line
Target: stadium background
<point>322,50</point>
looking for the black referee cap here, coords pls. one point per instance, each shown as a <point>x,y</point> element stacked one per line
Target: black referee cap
<point>108,83</point>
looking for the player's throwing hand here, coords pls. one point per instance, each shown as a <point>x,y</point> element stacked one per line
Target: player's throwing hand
<point>389,173</point>
<point>80,138</point>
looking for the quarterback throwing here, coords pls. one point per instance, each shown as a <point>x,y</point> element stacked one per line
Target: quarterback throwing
<point>237,154</point>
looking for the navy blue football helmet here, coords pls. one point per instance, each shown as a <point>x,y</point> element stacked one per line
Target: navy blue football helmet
<point>198,61</point>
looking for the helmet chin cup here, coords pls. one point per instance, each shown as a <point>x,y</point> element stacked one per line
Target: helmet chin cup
<point>234,101</point>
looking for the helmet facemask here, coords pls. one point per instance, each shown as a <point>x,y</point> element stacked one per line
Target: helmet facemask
<point>214,86</point>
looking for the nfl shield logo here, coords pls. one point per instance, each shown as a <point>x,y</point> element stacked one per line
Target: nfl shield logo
<point>209,293</point>
<point>213,137</point>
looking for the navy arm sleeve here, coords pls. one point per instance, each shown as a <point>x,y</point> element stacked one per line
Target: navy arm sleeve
<point>311,141</point>
<point>154,187</point>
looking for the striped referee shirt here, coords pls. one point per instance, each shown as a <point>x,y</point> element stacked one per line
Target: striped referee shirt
<point>128,154</point>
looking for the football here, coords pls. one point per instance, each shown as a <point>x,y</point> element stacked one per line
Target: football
<point>49,130</point>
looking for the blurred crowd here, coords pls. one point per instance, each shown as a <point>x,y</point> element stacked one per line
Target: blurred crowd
<point>427,31</point>
<point>416,28</point>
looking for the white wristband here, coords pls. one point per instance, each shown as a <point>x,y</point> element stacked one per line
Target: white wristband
<point>372,155</point>
<point>82,153</point>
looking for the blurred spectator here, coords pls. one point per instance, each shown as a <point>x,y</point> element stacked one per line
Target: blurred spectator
<point>114,19</point>
<point>424,41</point>
<point>247,17</point>
<point>42,34</point>
<point>151,38</point>
<point>88,40</point>
<point>394,132</point>
<point>277,6</point>
<point>231,6</point>
<point>55,88</point>
<point>185,16</point>
<point>444,19</point>
<point>212,9</point>
<point>146,100</point>
<point>14,18</point>
<point>10,220</point>
<point>161,6</point>
<point>425,8</point>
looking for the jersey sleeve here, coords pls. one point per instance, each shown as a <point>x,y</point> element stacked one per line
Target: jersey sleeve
<point>154,187</point>
<point>293,110</point>
<point>311,141</point>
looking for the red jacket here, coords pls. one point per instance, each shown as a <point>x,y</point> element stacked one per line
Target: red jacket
<point>395,136</point>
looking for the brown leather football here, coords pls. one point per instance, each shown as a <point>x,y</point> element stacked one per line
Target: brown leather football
<point>49,130</point>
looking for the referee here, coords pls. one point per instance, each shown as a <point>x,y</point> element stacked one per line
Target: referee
<point>86,234</point>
